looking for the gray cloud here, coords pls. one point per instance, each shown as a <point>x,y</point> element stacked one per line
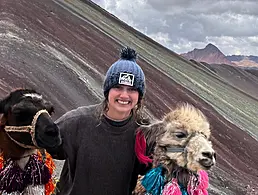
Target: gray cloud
<point>183,25</point>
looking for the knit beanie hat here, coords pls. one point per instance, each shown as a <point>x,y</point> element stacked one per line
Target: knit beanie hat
<point>125,71</point>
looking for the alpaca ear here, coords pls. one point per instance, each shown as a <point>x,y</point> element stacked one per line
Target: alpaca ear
<point>3,106</point>
<point>49,107</point>
<point>153,131</point>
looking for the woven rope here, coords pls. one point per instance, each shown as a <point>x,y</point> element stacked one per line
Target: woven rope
<point>26,129</point>
<point>18,128</point>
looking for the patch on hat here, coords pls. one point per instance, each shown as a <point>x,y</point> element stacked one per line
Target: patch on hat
<point>126,79</point>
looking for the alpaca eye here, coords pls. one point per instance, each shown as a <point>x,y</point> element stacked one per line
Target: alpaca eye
<point>180,135</point>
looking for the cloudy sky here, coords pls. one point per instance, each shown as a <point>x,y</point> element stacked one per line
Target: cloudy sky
<point>182,25</point>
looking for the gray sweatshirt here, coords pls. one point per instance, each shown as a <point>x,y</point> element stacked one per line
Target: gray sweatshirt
<point>100,156</point>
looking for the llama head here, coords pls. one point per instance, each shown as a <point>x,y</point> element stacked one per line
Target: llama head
<point>182,139</point>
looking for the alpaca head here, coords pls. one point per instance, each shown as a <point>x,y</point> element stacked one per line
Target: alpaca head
<point>182,139</point>
<point>26,121</point>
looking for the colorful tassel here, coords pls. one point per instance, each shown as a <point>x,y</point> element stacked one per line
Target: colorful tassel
<point>11,178</point>
<point>51,185</point>
<point>1,161</point>
<point>176,189</point>
<point>182,189</point>
<point>140,148</point>
<point>153,181</point>
<point>203,179</point>
<point>172,188</point>
<point>36,172</point>
<point>202,185</point>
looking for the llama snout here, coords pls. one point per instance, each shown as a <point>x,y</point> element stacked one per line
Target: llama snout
<point>208,159</point>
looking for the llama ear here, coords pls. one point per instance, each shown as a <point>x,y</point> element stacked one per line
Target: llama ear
<point>3,106</point>
<point>49,107</point>
<point>153,131</point>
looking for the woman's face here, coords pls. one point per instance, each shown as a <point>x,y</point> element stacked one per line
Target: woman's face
<point>121,100</point>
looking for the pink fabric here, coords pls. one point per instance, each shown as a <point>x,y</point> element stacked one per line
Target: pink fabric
<point>140,148</point>
<point>201,189</point>
<point>172,188</point>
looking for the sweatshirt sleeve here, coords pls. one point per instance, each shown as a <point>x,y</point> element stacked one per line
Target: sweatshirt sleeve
<point>67,125</point>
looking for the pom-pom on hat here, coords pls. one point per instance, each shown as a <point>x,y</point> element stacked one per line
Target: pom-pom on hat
<point>125,71</point>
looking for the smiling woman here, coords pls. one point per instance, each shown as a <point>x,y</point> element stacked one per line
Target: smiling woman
<point>99,140</point>
<point>122,99</point>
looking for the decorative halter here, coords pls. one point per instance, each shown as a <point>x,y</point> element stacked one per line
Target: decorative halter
<point>176,149</point>
<point>26,129</point>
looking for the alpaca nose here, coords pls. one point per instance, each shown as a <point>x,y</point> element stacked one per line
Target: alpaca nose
<point>208,159</point>
<point>209,155</point>
<point>52,130</point>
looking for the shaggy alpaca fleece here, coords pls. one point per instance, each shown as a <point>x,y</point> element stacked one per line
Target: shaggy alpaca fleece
<point>201,189</point>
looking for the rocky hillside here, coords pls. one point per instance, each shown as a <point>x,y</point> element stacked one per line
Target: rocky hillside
<point>244,61</point>
<point>63,49</point>
<point>237,58</point>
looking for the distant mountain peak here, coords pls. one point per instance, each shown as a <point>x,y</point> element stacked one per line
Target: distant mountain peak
<point>210,54</point>
<point>211,47</point>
